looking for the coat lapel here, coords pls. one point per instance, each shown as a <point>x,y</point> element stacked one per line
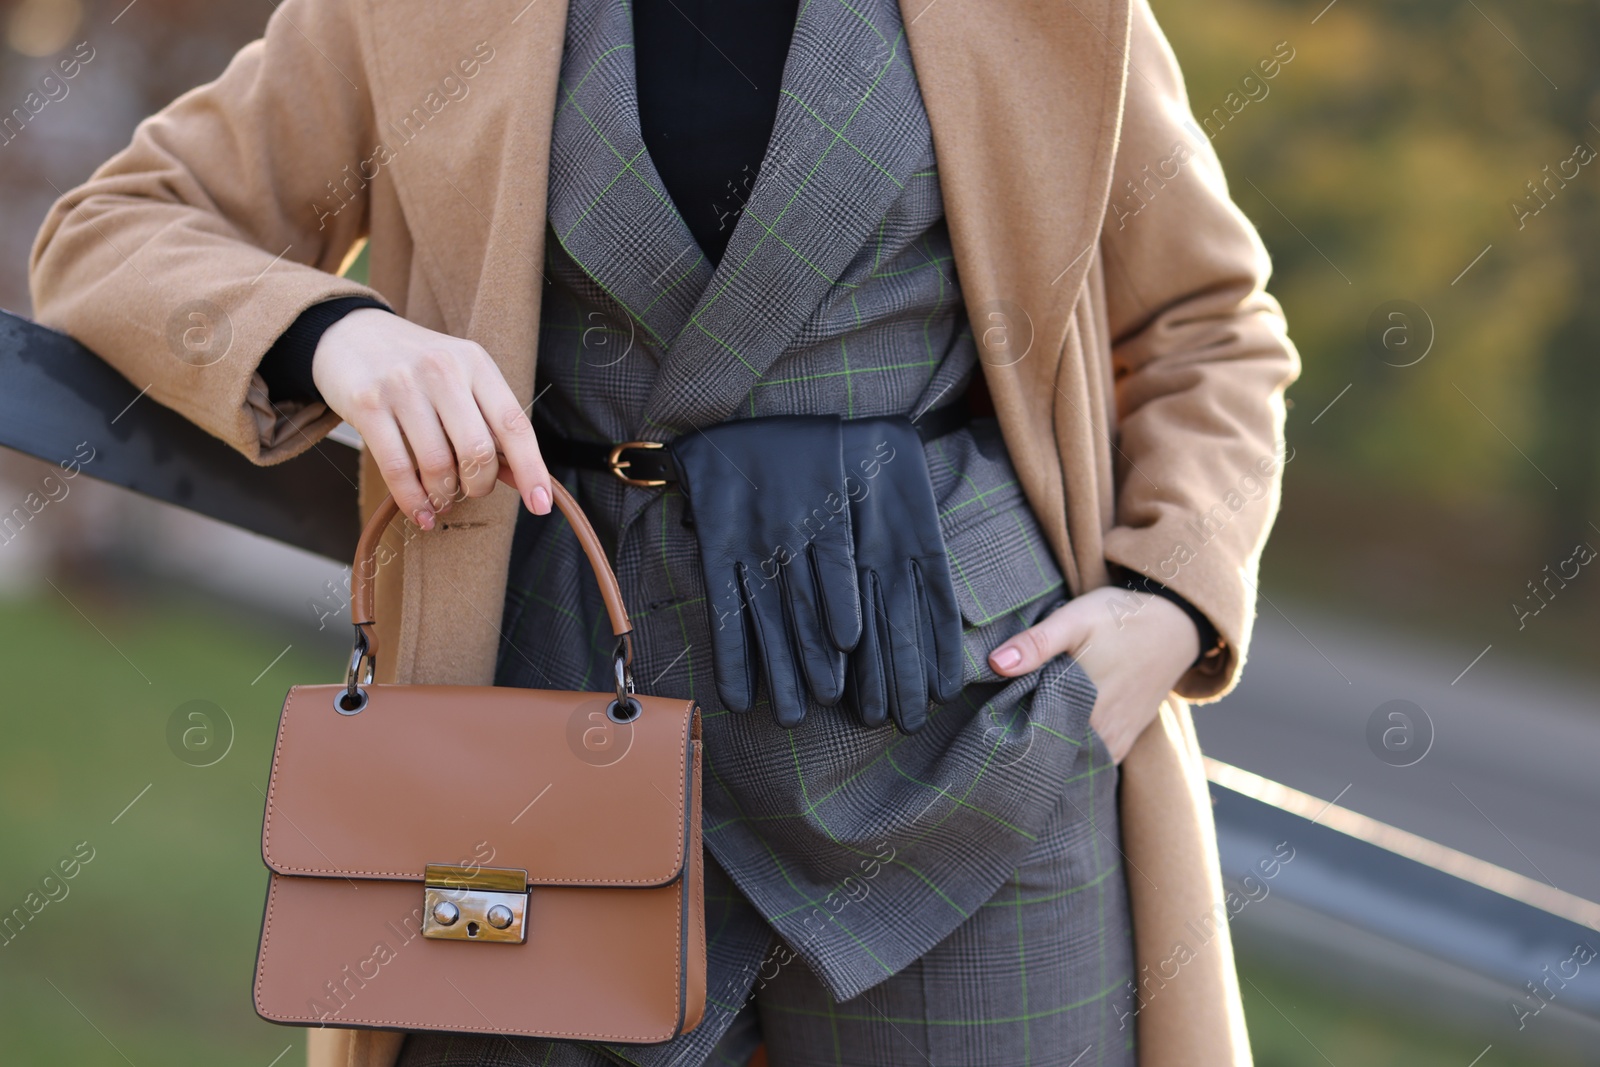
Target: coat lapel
<point>462,98</point>
<point>1025,100</point>
<point>848,133</point>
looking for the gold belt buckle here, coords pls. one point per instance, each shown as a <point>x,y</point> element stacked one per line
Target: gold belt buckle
<point>617,464</point>
<point>474,903</point>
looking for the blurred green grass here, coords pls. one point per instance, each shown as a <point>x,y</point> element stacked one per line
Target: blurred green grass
<point>149,957</point>
<point>154,944</point>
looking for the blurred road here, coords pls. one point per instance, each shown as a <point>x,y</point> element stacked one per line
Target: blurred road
<point>1513,773</point>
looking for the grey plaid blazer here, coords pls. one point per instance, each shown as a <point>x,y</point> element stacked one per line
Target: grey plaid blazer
<point>837,293</point>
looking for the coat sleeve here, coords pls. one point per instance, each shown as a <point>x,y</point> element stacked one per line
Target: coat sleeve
<point>188,253</point>
<point>1200,362</point>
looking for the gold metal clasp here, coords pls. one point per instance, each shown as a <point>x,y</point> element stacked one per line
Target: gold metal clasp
<point>618,464</point>
<point>475,903</point>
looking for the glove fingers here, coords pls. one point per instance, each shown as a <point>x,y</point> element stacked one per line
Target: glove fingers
<point>868,690</point>
<point>752,484</point>
<point>732,647</point>
<point>823,664</point>
<point>942,627</point>
<point>768,619</point>
<point>908,674</point>
<point>834,559</point>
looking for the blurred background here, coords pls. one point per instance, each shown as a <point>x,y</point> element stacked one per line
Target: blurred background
<point>1425,174</point>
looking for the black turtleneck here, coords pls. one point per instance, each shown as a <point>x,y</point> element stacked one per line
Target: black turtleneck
<point>708,75</point>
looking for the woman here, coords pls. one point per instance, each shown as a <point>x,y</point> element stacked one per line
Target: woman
<point>1007,201</point>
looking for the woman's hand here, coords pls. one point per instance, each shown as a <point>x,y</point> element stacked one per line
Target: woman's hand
<point>1134,646</point>
<point>434,411</point>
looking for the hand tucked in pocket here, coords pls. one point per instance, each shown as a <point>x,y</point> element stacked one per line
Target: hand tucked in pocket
<point>1134,659</point>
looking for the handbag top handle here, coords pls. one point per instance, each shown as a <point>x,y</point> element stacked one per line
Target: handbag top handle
<point>364,571</point>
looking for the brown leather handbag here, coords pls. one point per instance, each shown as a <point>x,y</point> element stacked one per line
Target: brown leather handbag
<point>483,859</point>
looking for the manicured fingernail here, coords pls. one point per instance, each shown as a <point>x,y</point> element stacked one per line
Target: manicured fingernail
<point>541,500</point>
<point>424,518</point>
<point>1007,657</point>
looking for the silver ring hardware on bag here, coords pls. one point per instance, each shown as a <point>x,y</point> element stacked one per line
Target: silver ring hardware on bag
<point>624,709</point>
<point>354,698</point>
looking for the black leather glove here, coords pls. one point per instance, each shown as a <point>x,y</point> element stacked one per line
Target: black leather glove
<point>910,649</point>
<point>767,500</point>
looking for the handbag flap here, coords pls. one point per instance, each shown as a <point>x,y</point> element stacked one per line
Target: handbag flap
<point>480,776</point>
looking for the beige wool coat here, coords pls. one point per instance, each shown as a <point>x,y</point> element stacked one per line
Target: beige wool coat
<point>1136,363</point>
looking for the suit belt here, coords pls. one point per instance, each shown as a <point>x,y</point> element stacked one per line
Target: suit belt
<point>650,463</point>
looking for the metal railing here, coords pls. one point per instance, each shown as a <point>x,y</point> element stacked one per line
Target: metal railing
<point>55,394</point>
